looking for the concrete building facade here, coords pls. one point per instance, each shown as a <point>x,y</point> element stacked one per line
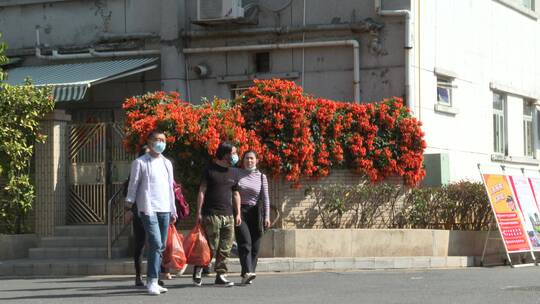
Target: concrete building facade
<point>469,69</point>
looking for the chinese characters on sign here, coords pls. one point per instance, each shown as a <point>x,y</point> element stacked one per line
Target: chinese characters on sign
<point>507,213</point>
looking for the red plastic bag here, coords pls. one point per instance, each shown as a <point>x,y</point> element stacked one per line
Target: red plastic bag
<point>196,247</point>
<point>173,256</point>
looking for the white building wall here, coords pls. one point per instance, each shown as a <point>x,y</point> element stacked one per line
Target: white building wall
<point>482,42</point>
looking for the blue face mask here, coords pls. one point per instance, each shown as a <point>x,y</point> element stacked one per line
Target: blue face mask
<point>159,147</point>
<point>234,159</point>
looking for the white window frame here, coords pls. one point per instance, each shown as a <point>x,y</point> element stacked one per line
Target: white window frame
<point>521,7</point>
<point>529,4</point>
<point>528,128</point>
<point>445,83</point>
<point>445,79</point>
<point>500,121</point>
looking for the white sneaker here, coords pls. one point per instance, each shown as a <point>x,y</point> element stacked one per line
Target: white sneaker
<point>162,289</point>
<point>153,287</point>
<point>248,277</point>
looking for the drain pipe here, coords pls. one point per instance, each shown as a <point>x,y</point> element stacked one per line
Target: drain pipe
<point>124,53</point>
<point>409,59</point>
<point>91,54</point>
<point>303,41</point>
<point>279,46</point>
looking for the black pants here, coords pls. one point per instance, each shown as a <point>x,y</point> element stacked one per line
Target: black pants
<point>248,238</point>
<point>139,236</point>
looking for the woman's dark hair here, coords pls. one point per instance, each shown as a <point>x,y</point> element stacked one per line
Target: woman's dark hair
<point>223,149</point>
<point>250,151</point>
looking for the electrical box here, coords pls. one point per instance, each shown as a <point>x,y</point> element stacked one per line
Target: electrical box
<point>437,168</point>
<point>219,10</point>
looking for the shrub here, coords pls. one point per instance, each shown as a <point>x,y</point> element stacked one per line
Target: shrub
<point>365,205</point>
<point>21,110</point>
<point>458,206</point>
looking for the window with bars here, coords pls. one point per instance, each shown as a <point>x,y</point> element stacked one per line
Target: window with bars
<point>500,145</point>
<point>528,136</point>
<point>239,89</point>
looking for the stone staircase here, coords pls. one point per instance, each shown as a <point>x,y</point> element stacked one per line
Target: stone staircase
<point>78,242</point>
<point>73,250</point>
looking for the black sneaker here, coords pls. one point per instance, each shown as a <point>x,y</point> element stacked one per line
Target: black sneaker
<point>222,281</point>
<point>161,283</point>
<point>197,276</point>
<point>139,282</point>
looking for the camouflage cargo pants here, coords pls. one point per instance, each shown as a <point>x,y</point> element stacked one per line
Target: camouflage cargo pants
<point>219,230</point>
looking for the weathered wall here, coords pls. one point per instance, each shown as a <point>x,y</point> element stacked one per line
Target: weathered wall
<point>327,71</point>
<point>65,23</point>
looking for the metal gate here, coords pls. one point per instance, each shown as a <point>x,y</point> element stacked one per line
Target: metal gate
<point>99,165</point>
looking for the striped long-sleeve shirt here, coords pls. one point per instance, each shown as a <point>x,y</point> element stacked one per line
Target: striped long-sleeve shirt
<point>249,187</point>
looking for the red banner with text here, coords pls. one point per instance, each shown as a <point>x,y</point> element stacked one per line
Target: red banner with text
<point>507,211</point>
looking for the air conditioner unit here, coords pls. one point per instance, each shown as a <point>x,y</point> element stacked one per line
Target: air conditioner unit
<point>214,10</point>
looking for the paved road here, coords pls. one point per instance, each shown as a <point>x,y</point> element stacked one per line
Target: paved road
<point>472,285</point>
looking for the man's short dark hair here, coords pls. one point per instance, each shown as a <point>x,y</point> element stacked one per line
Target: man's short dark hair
<point>155,132</point>
<point>223,149</point>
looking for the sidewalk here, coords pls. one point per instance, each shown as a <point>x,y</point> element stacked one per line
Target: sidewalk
<point>67,267</point>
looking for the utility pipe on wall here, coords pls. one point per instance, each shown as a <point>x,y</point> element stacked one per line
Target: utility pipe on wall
<point>359,27</point>
<point>260,47</point>
<point>124,53</point>
<point>409,59</point>
<point>91,54</point>
<point>303,41</point>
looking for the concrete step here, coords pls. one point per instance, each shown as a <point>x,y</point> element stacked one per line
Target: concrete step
<point>78,241</point>
<point>81,230</point>
<point>75,253</point>
<point>73,267</point>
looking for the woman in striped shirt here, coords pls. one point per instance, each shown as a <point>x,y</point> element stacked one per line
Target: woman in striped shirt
<point>253,188</point>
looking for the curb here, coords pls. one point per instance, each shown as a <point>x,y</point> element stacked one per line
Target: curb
<point>66,267</point>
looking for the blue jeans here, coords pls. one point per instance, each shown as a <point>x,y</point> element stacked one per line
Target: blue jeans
<point>156,227</point>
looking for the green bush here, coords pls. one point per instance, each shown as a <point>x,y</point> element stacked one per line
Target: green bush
<point>458,206</point>
<point>21,109</point>
<point>361,206</point>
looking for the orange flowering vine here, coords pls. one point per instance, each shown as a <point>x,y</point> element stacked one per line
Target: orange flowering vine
<point>295,135</point>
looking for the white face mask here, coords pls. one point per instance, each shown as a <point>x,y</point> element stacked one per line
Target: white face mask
<point>252,169</point>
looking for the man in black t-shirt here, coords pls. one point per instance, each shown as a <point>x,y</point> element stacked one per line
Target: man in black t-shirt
<point>218,195</point>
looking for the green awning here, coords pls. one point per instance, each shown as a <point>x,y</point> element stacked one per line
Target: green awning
<point>70,81</point>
